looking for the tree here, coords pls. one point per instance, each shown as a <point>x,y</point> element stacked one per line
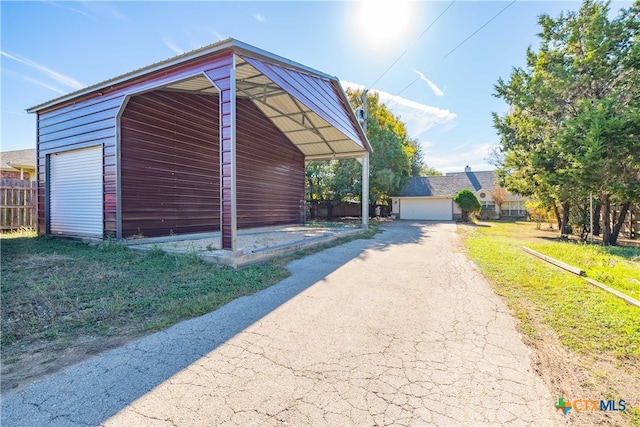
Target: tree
<point>418,166</point>
<point>469,204</point>
<point>318,181</point>
<point>499,196</point>
<point>539,211</point>
<point>429,171</point>
<point>572,126</point>
<point>394,154</point>
<point>394,160</point>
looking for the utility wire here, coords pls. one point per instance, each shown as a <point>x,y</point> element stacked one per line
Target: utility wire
<point>463,42</point>
<point>411,44</point>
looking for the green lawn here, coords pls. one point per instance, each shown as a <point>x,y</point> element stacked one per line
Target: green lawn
<point>586,318</point>
<point>595,325</point>
<point>617,267</point>
<point>56,289</point>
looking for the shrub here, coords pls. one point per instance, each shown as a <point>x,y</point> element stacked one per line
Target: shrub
<point>469,204</point>
<point>540,212</point>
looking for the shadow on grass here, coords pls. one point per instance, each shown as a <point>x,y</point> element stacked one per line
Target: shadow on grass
<point>93,391</point>
<point>475,224</point>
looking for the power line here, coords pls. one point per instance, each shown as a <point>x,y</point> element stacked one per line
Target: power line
<point>411,44</point>
<point>458,46</point>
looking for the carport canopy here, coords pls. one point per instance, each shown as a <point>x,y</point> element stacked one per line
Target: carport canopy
<point>309,107</point>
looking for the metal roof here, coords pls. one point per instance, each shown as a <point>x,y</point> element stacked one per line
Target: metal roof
<point>308,106</point>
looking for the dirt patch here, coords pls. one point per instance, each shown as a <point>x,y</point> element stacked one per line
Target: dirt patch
<point>573,376</point>
<point>22,365</point>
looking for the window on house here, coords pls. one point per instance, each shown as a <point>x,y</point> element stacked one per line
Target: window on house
<point>488,205</point>
<point>514,209</point>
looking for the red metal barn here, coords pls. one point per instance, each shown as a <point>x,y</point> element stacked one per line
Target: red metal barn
<point>212,140</point>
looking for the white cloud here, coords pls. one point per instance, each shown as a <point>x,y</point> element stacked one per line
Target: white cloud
<point>103,8</point>
<point>192,38</point>
<point>432,85</point>
<point>443,155</point>
<point>427,144</point>
<point>16,75</point>
<point>260,18</point>
<point>171,44</point>
<point>94,9</point>
<point>417,117</point>
<point>349,85</point>
<point>45,85</point>
<point>73,9</point>
<point>59,77</point>
<point>454,159</point>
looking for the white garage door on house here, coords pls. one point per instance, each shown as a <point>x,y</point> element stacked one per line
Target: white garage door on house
<point>75,193</point>
<point>426,209</point>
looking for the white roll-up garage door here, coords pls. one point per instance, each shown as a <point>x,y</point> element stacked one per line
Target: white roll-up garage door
<point>426,209</point>
<point>75,193</point>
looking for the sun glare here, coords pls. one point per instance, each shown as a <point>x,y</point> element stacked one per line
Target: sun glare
<point>383,22</point>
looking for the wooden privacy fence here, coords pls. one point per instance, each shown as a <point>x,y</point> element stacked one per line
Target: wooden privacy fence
<point>17,204</point>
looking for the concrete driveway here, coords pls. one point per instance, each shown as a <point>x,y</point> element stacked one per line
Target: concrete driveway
<point>401,329</point>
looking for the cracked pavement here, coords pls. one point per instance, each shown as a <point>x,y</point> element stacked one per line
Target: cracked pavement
<point>400,329</point>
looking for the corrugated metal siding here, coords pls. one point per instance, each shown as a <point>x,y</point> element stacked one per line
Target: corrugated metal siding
<point>41,192</point>
<point>76,193</point>
<point>270,172</point>
<point>91,120</point>
<point>86,123</point>
<point>169,164</point>
<point>317,94</point>
<point>221,76</point>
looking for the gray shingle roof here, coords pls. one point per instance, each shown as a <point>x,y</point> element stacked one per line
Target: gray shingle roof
<point>450,184</point>
<point>19,157</point>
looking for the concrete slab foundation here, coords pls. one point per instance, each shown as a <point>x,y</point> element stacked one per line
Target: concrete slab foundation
<point>254,245</point>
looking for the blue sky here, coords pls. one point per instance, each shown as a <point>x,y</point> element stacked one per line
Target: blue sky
<point>51,48</point>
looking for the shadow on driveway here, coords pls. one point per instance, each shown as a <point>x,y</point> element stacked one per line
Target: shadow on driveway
<point>93,391</point>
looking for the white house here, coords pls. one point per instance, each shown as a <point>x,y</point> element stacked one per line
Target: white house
<point>431,197</point>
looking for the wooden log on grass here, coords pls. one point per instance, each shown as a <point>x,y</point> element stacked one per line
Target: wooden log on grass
<point>555,262</point>
<point>583,274</point>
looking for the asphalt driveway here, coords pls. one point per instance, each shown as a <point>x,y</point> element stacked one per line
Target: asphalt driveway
<point>400,329</point>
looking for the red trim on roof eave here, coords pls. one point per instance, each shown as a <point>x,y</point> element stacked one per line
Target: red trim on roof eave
<point>148,81</point>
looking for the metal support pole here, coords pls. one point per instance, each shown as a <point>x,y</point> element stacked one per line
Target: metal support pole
<point>365,169</point>
<point>591,213</point>
<point>365,191</point>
